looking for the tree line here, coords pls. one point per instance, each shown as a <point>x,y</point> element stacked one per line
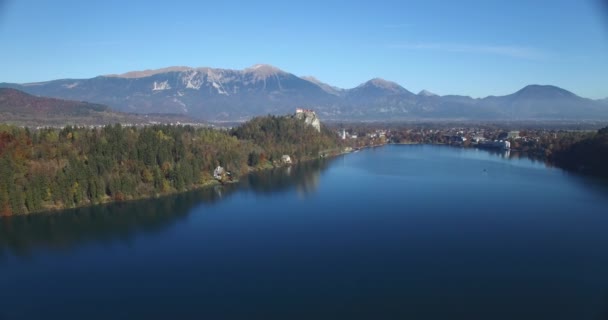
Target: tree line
<point>588,155</point>
<point>55,169</point>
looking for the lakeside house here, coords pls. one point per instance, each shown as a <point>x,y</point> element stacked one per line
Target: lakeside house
<point>286,159</point>
<point>218,173</point>
<point>478,139</point>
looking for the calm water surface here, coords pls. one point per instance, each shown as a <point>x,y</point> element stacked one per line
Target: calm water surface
<point>399,232</point>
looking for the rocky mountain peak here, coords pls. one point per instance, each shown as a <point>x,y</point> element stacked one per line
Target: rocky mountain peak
<point>263,69</point>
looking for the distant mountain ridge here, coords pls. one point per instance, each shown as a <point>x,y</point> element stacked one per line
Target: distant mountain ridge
<point>20,108</point>
<point>18,102</point>
<point>233,95</point>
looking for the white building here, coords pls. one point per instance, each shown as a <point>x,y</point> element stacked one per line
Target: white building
<point>286,159</point>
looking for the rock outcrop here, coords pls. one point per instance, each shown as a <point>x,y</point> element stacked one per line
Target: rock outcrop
<point>309,117</point>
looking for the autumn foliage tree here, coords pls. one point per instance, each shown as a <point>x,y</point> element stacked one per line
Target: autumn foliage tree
<point>53,169</point>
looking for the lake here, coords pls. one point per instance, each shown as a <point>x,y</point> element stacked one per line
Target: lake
<point>397,232</point>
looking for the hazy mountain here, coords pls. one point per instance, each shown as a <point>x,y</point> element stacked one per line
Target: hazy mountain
<point>426,93</point>
<point>224,94</point>
<point>18,102</point>
<point>201,92</point>
<point>377,88</point>
<point>326,87</point>
<point>20,108</point>
<point>545,102</point>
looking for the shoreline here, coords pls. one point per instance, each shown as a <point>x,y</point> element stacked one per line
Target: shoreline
<point>252,170</point>
<point>206,184</point>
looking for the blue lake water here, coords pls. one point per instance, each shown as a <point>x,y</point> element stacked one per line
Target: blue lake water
<point>397,232</point>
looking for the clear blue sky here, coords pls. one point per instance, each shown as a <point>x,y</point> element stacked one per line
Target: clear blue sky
<point>477,48</point>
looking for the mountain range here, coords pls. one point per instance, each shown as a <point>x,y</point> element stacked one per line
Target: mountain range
<point>233,95</point>
<point>20,108</point>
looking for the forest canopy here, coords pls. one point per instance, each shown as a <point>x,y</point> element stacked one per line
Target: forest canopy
<point>588,155</point>
<point>63,168</point>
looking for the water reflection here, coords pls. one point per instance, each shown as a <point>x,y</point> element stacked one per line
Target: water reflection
<point>104,223</point>
<point>596,185</point>
<point>121,221</point>
<point>517,155</point>
<point>591,183</point>
<point>304,177</point>
<point>505,154</point>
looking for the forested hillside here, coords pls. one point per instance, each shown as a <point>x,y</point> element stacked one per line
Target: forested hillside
<point>22,109</point>
<point>277,136</point>
<point>589,155</point>
<point>53,169</point>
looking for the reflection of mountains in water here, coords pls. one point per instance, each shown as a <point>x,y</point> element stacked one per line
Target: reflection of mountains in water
<point>122,221</point>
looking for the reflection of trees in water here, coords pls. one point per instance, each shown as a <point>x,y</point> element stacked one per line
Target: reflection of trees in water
<point>122,221</point>
<point>304,176</point>
<point>593,184</point>
<point>589,182</point>
<point>505,154</point>
<point>511,154</point>
<point>309,183</point>
<point>104,223</point>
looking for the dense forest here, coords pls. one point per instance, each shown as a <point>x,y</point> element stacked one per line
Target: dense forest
<point>589,155</point>
<point>123,220</point>
<point>54,169</point>
<point>276,136</point>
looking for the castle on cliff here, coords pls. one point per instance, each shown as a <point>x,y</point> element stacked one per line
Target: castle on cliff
<point>309,117</point>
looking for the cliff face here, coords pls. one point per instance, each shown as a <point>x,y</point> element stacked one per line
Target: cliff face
<point>310,118</point>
